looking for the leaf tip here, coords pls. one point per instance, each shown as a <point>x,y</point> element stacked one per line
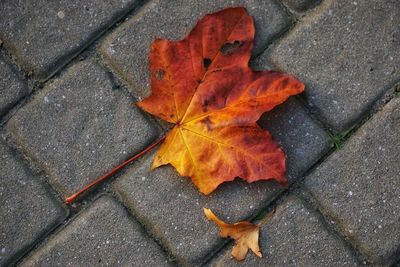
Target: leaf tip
<point>208,213</point>
<point>285,183</point>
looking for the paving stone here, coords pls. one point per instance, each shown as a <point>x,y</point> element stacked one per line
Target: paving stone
<point>28,211</point>
<point>102,235</point>
<point>127,49</point>
<point>300,5</point>
<point>171,207</point>
<point>78,127</point>
<point>302,139</point>
<point>346,63</point>
<point>295,236</point>
<point>44,35</point>
<point>359,186</point>
<point>12,87</point>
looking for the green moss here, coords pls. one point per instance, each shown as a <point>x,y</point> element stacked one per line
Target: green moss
<point>338,139</point>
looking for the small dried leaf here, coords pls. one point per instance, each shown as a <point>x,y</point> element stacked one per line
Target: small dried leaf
<point>245,233</point>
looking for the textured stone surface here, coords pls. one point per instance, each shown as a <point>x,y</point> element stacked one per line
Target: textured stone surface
<point>78,127</point>
<point>345,62</point>
<point>300,5</point>
<point>301,138</point>
<point>295,236</point>
<point>102,235</point>
<point>359,185</point>
<point>127,49</point>
<point>44,35</point>
<point>27,210</point>
<point>12,87</point>
<point>171,206</point>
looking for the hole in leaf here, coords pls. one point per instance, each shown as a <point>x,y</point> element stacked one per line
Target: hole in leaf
<point>229,48</point>
<point>206,62</point>
<point>160,74</point>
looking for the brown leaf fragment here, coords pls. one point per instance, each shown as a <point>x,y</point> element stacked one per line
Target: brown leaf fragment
<point>245,234</point>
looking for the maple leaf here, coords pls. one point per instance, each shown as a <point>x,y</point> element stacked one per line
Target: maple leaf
<point>204,86</point>
<point>245,234</point>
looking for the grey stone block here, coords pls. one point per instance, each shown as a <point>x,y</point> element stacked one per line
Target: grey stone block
<point>304,141</point>
<point>295,236</point>
<point>12,87</point>
<point>359,186</point>
<point>127,49</point>
<point>78,127</point>
<point>44,35</point>
<point>171,207</point>
<point>28,211</point>
<point>347,53</point>
<point>102,235</point>
<point>300,5</point>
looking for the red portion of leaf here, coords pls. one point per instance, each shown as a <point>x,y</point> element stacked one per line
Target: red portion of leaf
<point>203,85</point>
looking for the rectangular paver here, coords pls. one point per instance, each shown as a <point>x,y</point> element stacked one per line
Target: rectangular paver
<point>295,236</point>
<point>102,235</point>
<point>79,126</point>
<point>28,211</point>
<point>359,186</point>
<point>12,86</point>
<point>348,55</point>
<point>171,207</point>
<point>127,49</point>
<point>44,35</point>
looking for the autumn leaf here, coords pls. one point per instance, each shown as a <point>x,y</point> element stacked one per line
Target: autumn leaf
<point>203,85</point>
<point>245,234</point>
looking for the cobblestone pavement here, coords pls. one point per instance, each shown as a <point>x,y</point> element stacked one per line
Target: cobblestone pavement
<point>69,71</point>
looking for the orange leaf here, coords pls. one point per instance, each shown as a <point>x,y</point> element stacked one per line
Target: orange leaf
<point>204,86</point>
<point>245,234</point>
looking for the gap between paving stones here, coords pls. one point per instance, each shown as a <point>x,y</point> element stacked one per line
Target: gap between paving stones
<point>40,85</point>
<point>71,213</point>
<point>153,22</point>
<point>283,32</point>
<point>78,211</point>
<point>300,8</point>
<point>85,197</point>
<point>145,230</point>
<point>57,61</point>
<point>296,16</point>
<point>311,203</point>
<point>262,193</point>
<point>277,204</point>
<point>90,196</point>
<point>288,55</point>
<point>113,79</point>
<point>74,212</point>
<point>380,100</point>
<point>298,188</point>
<point>36,87</point>
<point>39,177</point>
<point>386,246</point>
<point>294,187</point>
<point>35,84</point>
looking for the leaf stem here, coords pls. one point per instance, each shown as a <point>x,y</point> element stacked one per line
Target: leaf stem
<point>107,175</point>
